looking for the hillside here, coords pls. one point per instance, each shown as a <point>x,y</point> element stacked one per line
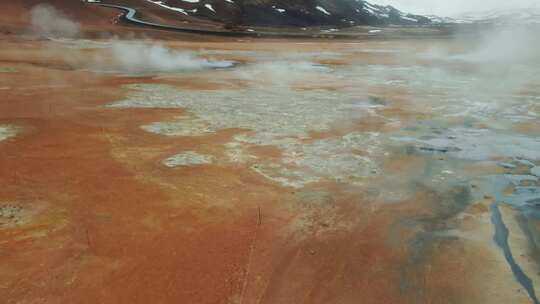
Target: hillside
<point>291,13</point>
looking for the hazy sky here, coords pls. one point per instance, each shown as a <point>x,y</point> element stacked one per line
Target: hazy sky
<point>453,7</point>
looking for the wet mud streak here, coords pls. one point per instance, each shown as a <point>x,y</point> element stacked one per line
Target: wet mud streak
<point>447,206</point>
<point>501,239</point>
<point>530,234</point>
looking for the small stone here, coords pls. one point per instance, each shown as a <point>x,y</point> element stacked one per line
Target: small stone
<point>187,159</point>
<point>536,171</point>
<point>8,70</point>
<point>7,132</point>
<point>507,165</point>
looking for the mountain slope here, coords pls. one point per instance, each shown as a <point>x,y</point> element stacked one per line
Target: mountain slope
<point>292,12</point>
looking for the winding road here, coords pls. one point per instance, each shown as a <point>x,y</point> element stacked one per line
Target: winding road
<point>130,16</point>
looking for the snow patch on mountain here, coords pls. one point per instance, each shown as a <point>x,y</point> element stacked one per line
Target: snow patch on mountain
<point>321,9</point>
<point>209,6</point>
<point>172,8</point>
<point>294,13</point>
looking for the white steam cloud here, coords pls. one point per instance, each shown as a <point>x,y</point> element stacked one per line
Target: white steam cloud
<point>496,64</point>
<point>284,73</point>
<point>145,57</point>
<point>49,22</point>
<point>505,46</point>
<point>114,55</point>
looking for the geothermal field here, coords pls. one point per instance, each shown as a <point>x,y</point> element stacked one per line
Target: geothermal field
<point>146,165</point>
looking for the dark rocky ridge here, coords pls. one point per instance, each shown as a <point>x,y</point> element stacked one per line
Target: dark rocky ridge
<point>294,12</point>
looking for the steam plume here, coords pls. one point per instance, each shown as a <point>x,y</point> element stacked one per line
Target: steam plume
<point>48,21</point>
<point>144,57</point>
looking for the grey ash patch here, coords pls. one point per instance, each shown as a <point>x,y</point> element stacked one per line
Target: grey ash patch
<point>187,159</point>
<point>283,118</point>
<point>7,132</point>
<point>13,215</point>
<point>8,70</point>
<point>347,159</point>
<point>279,113</point>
